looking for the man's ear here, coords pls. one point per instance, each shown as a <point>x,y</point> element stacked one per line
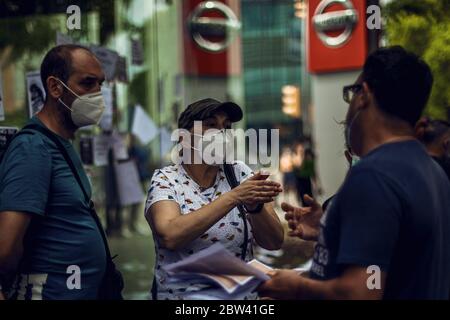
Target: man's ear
<point>446,143</point>
<point>366,95</point>
<point>420,127</point>
<point>54,87</point>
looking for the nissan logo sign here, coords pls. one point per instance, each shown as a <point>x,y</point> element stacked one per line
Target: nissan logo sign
<point>324,22</point>
<point>201,27</point>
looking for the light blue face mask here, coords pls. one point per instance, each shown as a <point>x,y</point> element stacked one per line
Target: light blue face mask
<point>355,160</point>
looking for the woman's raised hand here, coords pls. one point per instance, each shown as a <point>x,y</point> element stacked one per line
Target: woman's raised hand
<point>256,189</point>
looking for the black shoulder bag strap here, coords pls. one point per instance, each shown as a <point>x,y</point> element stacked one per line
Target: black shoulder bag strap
<point>232,181</point>
<point>69,161</point>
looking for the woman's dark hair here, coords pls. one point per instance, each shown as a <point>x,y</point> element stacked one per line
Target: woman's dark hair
<point>58,63</point>
<point>401,82</point>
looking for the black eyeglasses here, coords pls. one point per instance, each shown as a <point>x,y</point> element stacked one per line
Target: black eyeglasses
<point>350,91</point>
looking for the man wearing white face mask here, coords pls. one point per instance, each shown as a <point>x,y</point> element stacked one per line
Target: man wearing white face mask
<point>50,246</point>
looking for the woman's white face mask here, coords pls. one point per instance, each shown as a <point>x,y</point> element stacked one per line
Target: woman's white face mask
<point>213,145</point>
<point>87,109</point>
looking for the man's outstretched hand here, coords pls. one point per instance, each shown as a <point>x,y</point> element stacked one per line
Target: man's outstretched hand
<point>304,222</point>
<point>283,285</point>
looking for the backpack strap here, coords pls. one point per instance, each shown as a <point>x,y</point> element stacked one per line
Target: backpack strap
<point>65,154</point>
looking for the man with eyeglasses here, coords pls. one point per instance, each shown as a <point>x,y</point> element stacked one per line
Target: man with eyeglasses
<point>386,234</point>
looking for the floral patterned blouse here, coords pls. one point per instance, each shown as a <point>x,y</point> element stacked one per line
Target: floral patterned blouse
<point>173,183</point>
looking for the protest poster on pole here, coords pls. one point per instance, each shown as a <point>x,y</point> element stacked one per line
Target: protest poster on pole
<point>101,146</point>
<point>106,122</point>
<point>119,147</point>
<point>36,92</point>
<point>108,58</point>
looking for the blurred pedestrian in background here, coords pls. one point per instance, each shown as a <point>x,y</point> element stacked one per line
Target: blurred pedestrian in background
<point>305,173</point>
<point>435,135</point>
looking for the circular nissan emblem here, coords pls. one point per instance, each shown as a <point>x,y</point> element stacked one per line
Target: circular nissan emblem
<point>201,27</point>
<point>331,21</point>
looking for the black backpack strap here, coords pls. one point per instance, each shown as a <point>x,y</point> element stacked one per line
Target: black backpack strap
<point>232,181</point>
<point>69,161</point>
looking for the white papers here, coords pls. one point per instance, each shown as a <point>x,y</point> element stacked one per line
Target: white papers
<point>6,135</point>
<point>215,260</point>
<point>218,265</point>
<point>106,122</point>
<point>108,59</point>
<point>36,93</point>
<point>101,144</point>
<point>143,126</point>
<point>119,147</point>
<point>2,108</point>
<point>62,38</point>
<point>128,183</point>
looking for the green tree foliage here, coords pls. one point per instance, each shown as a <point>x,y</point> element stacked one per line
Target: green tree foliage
<point>423,27</point>
<point>28,27</point>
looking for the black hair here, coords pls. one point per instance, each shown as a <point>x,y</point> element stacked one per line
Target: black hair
<point>435,130</point>
<point>400,80</point>
<point>58,63</point>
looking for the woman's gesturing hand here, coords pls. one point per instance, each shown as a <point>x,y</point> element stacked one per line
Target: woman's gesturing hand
<point>256,190</point>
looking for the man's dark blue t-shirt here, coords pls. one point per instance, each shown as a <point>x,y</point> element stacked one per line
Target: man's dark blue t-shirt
<point>393,211</point>
<point>64,256</point>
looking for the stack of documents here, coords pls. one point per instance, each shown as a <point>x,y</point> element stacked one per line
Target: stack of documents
<point>224,276</point>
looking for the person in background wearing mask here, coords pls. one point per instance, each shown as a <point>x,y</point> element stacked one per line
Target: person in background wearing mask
<point>47,233</point>
<point>435,135</point>
<point>190,205</point>
<point>386,233</point>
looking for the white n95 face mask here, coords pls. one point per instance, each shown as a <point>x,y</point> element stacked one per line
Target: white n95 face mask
<point>218,142</point>
<point>86,109</point>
